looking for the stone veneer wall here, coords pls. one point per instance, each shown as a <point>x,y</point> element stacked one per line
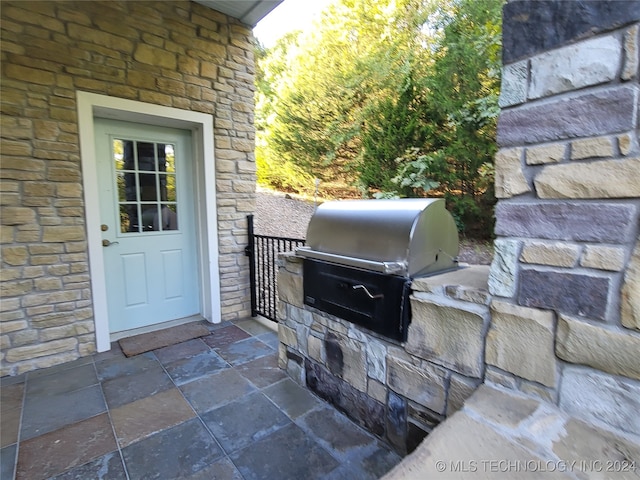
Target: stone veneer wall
<point>561,318</point>
<point>176,53</point>
<point>397,391</point>
<point>566,275</point>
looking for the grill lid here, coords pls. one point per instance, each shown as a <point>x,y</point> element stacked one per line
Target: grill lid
<point>407,237</point>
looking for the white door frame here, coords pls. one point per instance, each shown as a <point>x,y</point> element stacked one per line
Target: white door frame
<point>92,105</point>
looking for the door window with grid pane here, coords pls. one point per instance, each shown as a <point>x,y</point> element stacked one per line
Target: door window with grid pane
<point>146,182</point>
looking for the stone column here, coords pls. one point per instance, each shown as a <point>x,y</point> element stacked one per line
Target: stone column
<point>566,274</point>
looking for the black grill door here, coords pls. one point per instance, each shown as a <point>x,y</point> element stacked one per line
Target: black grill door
<point>373,300</point>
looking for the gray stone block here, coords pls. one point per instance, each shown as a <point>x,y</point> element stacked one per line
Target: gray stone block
<point>610,110</point>
<point>532,26</point>
<point>631,45</point>
<point>504,267</point>
<point>514,84</point>
<point>578,221</point>
<point>630,294</point>
<point>359,406</point>
<point>591,62</point>
<point>572,293</point>
<point>460,388</point>
<point>595,395</point>
<point>376,360</point>
<point>501,408</point>
<point>396,421</point>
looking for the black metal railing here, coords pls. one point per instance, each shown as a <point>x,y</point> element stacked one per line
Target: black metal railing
<point>263,251</point>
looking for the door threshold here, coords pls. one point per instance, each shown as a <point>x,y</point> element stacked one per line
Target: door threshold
<point>113,337</point>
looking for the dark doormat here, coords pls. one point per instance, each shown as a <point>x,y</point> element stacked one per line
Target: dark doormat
<point>162,338</point>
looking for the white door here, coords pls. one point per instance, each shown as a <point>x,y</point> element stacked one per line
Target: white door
<point>146,196</point>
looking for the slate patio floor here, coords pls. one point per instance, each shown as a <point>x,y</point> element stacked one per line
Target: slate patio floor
<point>217,407</point>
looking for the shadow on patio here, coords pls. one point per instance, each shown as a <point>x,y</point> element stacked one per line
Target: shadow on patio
<point>213,407</point>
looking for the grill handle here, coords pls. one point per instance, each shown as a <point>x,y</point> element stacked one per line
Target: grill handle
<point>362,287</point>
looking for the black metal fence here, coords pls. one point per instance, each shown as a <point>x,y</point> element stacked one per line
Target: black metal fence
<point>263,251</point>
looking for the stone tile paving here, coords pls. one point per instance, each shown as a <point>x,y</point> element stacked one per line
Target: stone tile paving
<point>216,407</point>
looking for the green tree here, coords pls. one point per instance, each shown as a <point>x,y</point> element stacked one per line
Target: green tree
<point>463,87</point>
<point>396,96</point>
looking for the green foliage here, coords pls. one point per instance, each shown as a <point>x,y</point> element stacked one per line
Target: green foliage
<point>398,97</point>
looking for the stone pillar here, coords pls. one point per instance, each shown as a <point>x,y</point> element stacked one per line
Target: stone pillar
<point>566,273</point>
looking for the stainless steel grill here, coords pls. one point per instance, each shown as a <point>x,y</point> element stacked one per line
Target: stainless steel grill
<point>407,237</point>
<point>362,254</point>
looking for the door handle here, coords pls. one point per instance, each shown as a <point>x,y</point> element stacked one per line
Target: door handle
<point>106,243</point>
<point>367,292</point>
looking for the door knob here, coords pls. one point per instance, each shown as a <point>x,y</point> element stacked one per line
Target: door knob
<point>106,243</point>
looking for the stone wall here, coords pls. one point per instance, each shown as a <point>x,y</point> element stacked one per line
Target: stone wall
<point>177,54</point>
<point>399,392</point>
<point>565,280</point>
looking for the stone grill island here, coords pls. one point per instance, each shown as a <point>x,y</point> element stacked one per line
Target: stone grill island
<point>398,391</point>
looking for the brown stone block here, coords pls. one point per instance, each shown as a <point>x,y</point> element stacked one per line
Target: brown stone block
<point>17,216</point>
<point>73,16</point>
<point>448,333</point>
<point>44,284</point>
<point>16,148</point>
<point>155,97</point>
<point>204,107</point>
<point>600,179</point>
<point>22,163</point>
<point>41,349</point>
<point>17,255</point>
<point>98,37</point>
<point>63,174</point>
<point>73,330</point>
<point>609,350</point>
<point>52,319</point>
<point>150,55</point>
<point>63,233</point>
<point>44,259</point>
<point>73,445</point>
<point>90,84</point>
<point>558,254</point>
<point>603,258</point>
<point>172,87</point>
<point>64,114</point>
<point>630,295</point>
<point>510,180</point>
<point>424,385</point>
<point>29,75</point>
<point>39,189</point>
<point>14,288</point>
<point>521,341</point>
<point>7,274</point>
<point>596,450</point>
<point>69,190</point>
<point>13,326</point>
<point>140,419</point>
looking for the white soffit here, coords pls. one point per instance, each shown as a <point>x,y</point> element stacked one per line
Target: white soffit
<point>249,12</point>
